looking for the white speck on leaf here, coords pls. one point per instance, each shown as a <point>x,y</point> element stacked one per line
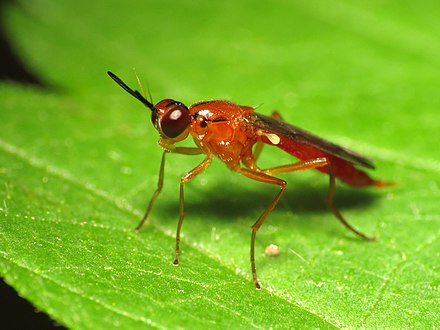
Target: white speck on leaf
<point>272,250</point>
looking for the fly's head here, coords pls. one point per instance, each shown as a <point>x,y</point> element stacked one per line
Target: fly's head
<point>171,118</point>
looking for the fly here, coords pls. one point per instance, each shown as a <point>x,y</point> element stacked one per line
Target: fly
<point>236,134</point>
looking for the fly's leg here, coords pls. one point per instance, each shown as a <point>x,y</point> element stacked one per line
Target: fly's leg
<point>266,178</point>
<point>315,163</point>
<point>299,166</point>
<point>335,211</point>
<point>168,149</point>
<point>257,150</point>
<point>186,178</point>
<point>156,193</point>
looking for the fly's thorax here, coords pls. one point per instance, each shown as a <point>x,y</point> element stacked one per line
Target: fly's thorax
<point>218,120</point>
<point>218,132</point>
<point>229,140</point>
<point>223,128</point>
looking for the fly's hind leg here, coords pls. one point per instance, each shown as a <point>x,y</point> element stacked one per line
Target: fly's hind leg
<point>315,163</point>
<point>335,211</point>
<point>266,178</point>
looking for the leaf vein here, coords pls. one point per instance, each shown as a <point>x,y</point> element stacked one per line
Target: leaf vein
<point>393,275</point>
<point>120,204</point>
<point>82,295</point>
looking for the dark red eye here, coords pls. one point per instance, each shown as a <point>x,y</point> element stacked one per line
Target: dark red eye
<point>175,121</point>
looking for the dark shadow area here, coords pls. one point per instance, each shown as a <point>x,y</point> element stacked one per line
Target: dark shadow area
<point>18,313</point>
<point>11,66</point>
<point>299,198</point>
<point>226,204</point>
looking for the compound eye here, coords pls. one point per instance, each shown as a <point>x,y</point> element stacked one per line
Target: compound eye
<point>175,121</point>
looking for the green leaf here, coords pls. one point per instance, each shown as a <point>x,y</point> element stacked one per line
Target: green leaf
<point>79,163</point>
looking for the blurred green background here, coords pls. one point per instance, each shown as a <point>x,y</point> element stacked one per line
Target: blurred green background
<point>79,161</point>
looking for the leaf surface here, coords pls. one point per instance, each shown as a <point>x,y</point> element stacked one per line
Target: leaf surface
<point>79,163</point>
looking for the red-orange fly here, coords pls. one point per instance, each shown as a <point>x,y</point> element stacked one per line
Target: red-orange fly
<point>229,131</point>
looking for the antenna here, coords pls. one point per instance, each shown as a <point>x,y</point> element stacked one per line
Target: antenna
<point>134,93</point>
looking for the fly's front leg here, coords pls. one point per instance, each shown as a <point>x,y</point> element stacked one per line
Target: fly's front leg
<point>186,178</point>
<point>168,148</point>
<point>266,178</point>
<point>315,163</point>
<point>156,193</point>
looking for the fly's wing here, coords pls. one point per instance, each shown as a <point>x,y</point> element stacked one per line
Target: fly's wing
<point>304,146</point>
<point>297,135</point>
